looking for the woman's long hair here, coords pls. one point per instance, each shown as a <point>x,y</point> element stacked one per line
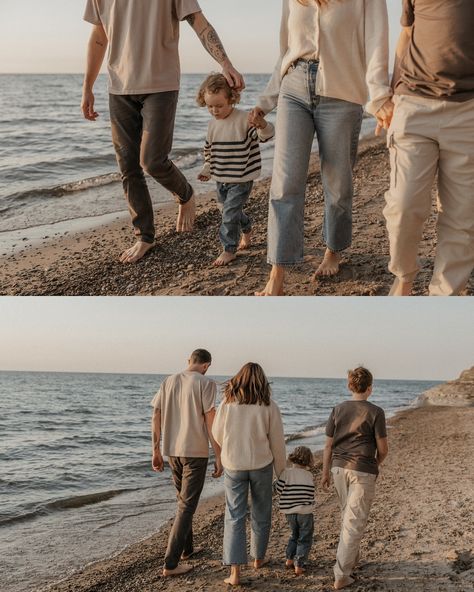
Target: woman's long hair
<point>248,387</point>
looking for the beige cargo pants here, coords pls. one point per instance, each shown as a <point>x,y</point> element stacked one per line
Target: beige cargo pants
<point>429,136</point>
<point>356,491</point>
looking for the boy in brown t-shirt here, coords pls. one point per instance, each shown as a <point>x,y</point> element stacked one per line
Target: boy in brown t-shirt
<point>356,443</point>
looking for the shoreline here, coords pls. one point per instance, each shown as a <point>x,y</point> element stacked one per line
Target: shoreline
<point>406,541</point>
<point>86,264</point>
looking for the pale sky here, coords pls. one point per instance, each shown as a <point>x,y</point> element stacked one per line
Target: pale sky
<point>417,338</point>
<point>48,36</point>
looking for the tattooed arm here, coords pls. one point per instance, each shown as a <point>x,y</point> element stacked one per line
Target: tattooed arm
<point>213,45</point>
<point>95,56</point>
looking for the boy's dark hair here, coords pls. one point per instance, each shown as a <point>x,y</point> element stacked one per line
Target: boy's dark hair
<point>301,455</point>
<point>359,380</point>
<point>213,84</point>
<point>200,356</point>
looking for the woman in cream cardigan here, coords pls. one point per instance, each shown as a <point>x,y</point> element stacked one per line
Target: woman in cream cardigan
<point>333,58</point>
<point>249,430</point>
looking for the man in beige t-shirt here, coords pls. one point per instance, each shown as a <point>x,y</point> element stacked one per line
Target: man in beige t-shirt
<point>184,410</point>
<point>142,37</point>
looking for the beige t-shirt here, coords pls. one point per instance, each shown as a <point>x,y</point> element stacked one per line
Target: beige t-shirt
<point>183,399</point>
<point>143,38</point>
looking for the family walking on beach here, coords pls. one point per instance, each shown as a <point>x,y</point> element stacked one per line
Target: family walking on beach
<point>333,61</point>
<point>247,437</point>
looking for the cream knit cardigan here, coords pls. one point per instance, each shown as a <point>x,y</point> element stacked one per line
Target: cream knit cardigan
<point>353,52</point>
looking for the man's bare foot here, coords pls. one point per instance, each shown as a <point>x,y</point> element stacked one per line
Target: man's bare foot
<point>400,288</point>
<point>245,241</point>
<point>180,570</point>
<point>234,578</point>
<point>289,563</point>
<point>329,265</point>
<point>299,570</point>
<point>275,283</point>
<point>136,252</point>
<point>344,583</point>
<point>224,258</point>
<point>186,215</point>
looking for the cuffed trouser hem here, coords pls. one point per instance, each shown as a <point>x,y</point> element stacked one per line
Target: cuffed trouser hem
<point>188,195</point>
<point>286,264</point>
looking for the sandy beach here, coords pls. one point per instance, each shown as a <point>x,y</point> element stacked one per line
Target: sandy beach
<point>86,263</point>
<point>420,534</point>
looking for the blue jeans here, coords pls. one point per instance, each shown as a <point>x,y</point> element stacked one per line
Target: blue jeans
<point>302,113</point>
<point>301,539</point>
<point>233,197</point>
<point>237,484</point>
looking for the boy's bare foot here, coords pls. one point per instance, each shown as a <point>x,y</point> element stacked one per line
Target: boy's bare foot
<point>299,570</point>
<point>186,215</point>
<point>180,570</point>
<point>195,552</point>
<point>344,583</point>
<point>234,578</point>
<point>289,563</point>
<point>135,253</point>
<point>400,288</point>
<point>245,241</point>
<point>329,265</point>
<point>224,258</point>
<point>274,285</point>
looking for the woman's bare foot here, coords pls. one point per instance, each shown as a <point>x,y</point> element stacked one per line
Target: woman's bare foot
<point>343,583</point>
<point>299,570</point>
<point>275,283</point>
<point>258,563</point>
<point>135,253</point>
<point>329,265</point>
<point>400,288</point>
<point>234,578</point>
<point>180,570</point>
<point>224,258</point>
<point>289,563</point>
<point>186,215</point>
<point>245,241</point>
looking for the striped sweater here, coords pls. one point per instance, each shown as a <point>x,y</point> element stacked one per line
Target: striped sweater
<point>296,489</point>
<point>232,151</point>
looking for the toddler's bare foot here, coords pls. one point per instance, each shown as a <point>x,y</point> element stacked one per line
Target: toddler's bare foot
<point>275,283</point>
<point>329,265</point>
<point>180,570</point>
<point>299,570</point>
<point>245,241</point>
<point>186,215</point>
<point>343,583</point>
<point>400,288</point>
<point>234,578</point>
<point>224,258</point>
<point>136,252</point>
<point>289,563</point>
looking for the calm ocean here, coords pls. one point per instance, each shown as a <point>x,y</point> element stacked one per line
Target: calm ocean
<point>75,478</point>
<point>55,166</point>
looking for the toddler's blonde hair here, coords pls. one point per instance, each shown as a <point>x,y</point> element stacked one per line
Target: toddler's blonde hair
<point>213,84</point>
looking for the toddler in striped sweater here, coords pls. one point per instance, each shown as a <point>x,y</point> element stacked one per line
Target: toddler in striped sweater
<point>296,488</point>
<point>232,159</point>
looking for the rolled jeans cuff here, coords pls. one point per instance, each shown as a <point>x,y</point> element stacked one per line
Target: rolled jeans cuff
<point>184,200</point>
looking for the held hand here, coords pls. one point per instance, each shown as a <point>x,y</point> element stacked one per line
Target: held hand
<point>87,105</point>
<point>233,77</point>
<point>325,482</point>
<point>218,468</point>
<point>203,178</point>
<point>255,116</point>
<point>384,116</point>
<point>157,462</point>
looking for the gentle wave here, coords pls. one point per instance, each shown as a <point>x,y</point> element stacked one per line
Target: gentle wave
<point>306,433</point>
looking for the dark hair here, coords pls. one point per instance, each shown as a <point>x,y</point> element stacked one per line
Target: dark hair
<point>359,380</point>
<point>248,387</point>
<point>213,85</point>
<point>200,356</point>
<point>301,455</point>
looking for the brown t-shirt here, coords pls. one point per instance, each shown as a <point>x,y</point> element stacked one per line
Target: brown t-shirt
<point>183,400</point>
<point>143,38</point>
<point>439,62</point>
<point>354,425</point>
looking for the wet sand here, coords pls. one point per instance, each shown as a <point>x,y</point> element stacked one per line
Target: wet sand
<point>420,534</point>
<point>87,263</point>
